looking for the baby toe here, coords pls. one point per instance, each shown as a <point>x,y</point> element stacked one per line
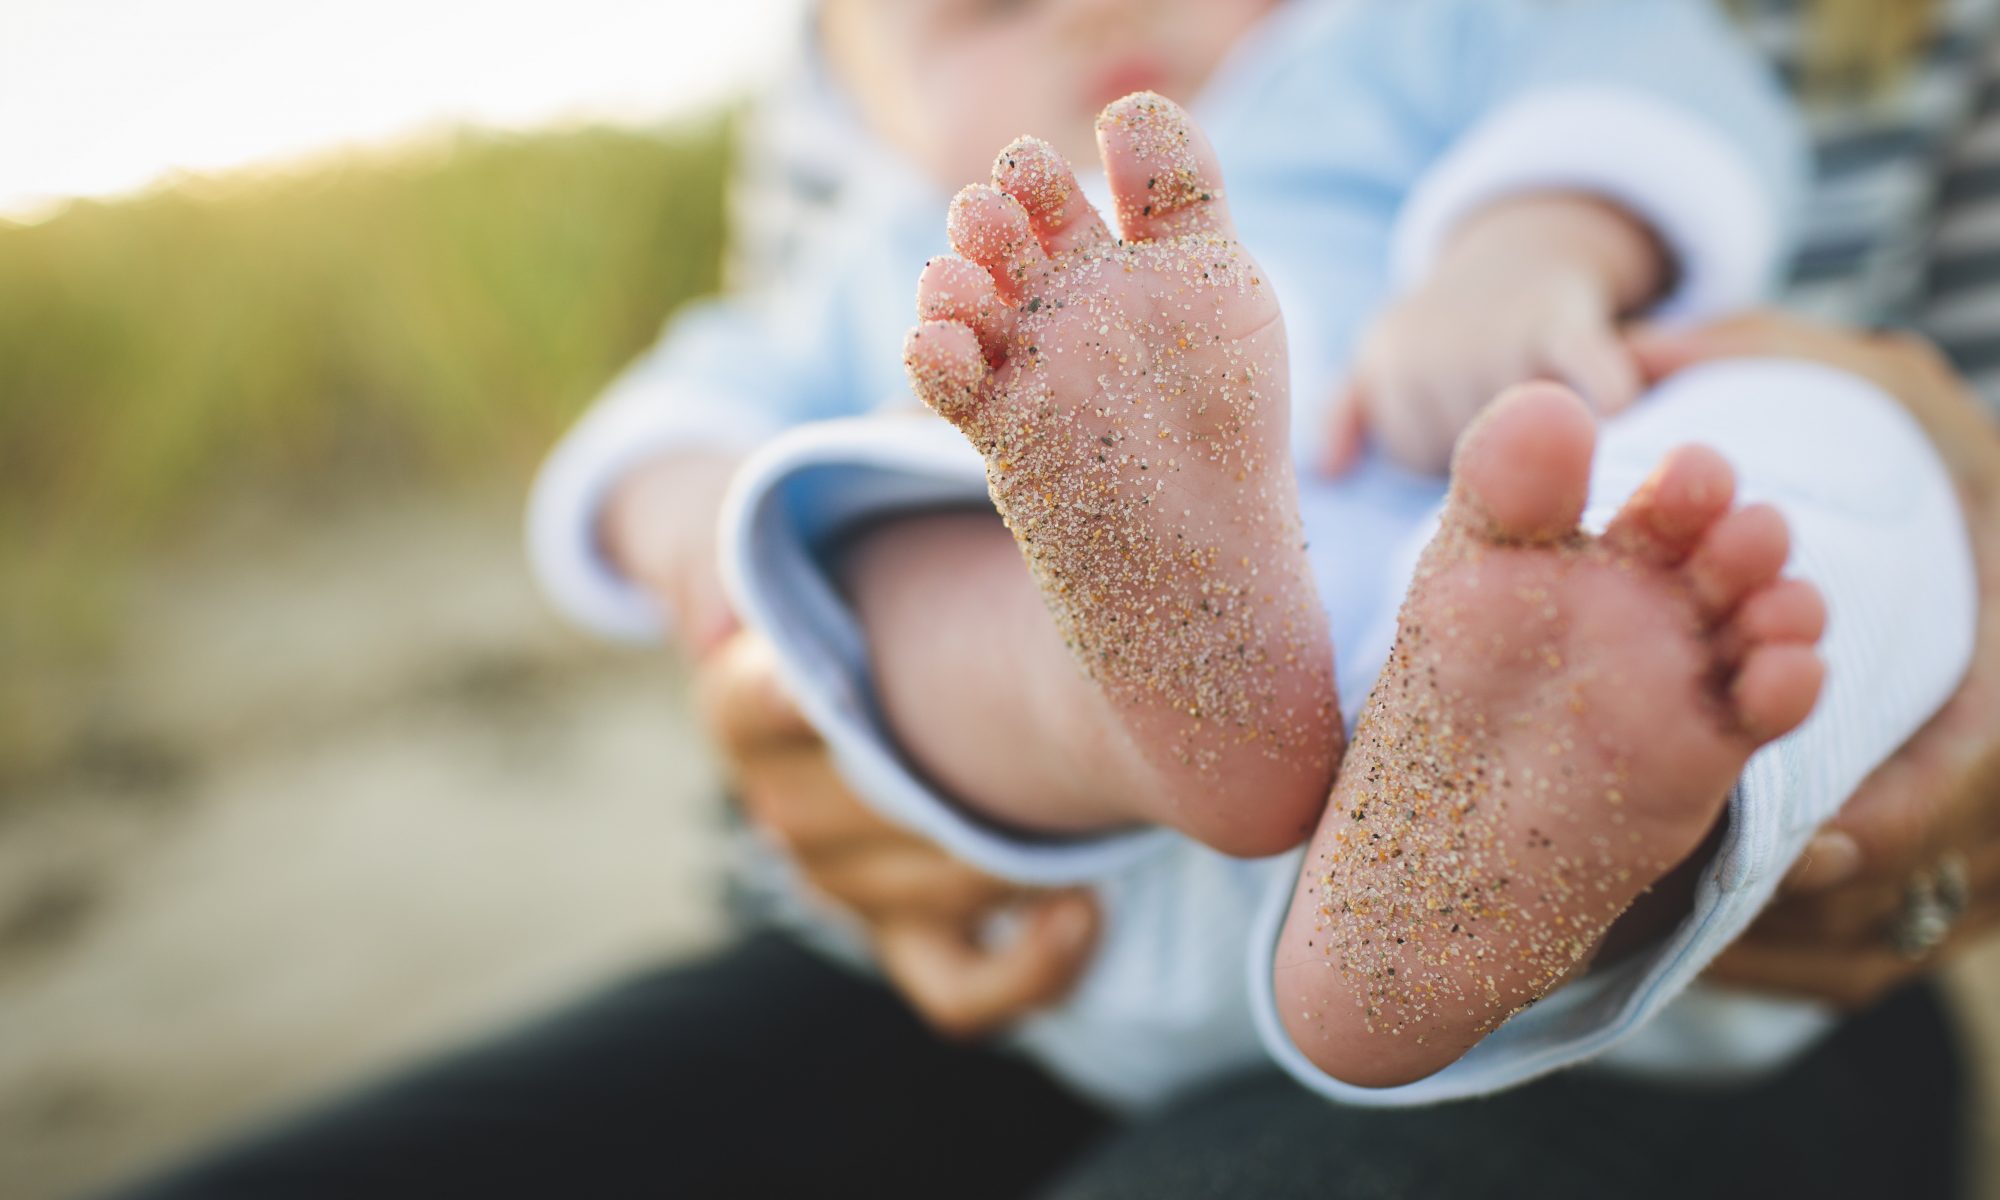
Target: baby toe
<point>991,228</point>
<point>1776,688</point>
<point>1741,552</point>
<point>1667,517</point>
<point>952,289</point>
<point>946,369</point>
<point>1790,610</point>
<point>1033,173</point>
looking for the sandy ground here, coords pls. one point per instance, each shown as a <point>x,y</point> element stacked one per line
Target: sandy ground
<point>346,799</point>
<point>376,802</point>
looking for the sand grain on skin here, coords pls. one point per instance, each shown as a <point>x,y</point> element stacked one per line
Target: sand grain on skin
<point>1444,894</point>
<point>1148,513</point>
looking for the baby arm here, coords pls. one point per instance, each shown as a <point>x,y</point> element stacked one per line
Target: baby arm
<point>1597,160</point>
<point>1531,287</point>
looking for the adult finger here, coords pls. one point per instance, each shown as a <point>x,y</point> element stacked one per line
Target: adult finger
<point>1847,974</point>
<point>965,989</point>
<point>1831,858</point>
<point>1849,915</point>
<point>1844,977</point>
<point>1934,794</point>
<point>892,882</point>
<point>1858,913</point>
<point>1659,351</point>
<point>1906,365</point>
<point>1893,822</point>
<point>742,700</point>
<point>793,792</point>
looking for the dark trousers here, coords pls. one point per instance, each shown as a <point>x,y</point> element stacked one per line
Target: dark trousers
<point>764,1070</point>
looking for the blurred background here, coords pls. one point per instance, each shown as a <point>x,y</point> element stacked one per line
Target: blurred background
<point>298,775</point>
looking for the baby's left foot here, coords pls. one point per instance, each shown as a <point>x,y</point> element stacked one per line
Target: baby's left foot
<point>1558,726</point>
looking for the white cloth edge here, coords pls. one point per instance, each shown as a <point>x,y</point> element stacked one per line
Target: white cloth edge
<point>773,579</point>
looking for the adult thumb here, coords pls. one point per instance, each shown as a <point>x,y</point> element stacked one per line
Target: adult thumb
<point>965,988</point>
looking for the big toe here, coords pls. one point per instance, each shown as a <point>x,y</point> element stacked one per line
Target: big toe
<point>1522,470</point>
<point>1164,175</point>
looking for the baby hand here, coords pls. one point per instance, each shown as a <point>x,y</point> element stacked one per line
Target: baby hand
<point>1531,288</point>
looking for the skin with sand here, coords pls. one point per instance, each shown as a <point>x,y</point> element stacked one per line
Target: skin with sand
<point>1562,716</point>
<point>1130,399</point>
<point>1558,726</point>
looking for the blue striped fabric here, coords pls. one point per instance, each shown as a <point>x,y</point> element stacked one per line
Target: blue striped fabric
<point>1868,254</point>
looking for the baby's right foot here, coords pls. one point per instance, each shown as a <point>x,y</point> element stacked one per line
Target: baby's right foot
<point>1131,399</point>
<point>1559,724</point>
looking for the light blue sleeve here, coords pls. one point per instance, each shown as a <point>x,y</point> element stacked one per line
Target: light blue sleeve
<point>769,361</point>
<point>1662,105</point>
<point>727,375</point>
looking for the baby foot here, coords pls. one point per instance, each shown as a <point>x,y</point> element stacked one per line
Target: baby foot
<point>1131,399</point>
<point>1559,724</point>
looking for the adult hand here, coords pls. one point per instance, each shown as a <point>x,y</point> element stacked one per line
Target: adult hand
<point>1827,936</point>
<point>926,913</point>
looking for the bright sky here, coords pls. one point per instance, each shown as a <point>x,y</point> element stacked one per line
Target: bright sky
<point>103,96</point>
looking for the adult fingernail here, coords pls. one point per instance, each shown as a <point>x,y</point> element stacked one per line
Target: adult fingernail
<point>1830,859</point>
<point>1069,922</point>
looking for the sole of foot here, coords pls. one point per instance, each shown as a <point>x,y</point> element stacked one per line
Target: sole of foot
<point>1130,396</point>
<point>1559,724</point>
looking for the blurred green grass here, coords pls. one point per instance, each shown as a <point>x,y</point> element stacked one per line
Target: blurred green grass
<point>425,317</point>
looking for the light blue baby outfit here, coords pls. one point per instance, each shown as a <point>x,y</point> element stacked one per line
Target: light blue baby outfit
<point>1353,136</point>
